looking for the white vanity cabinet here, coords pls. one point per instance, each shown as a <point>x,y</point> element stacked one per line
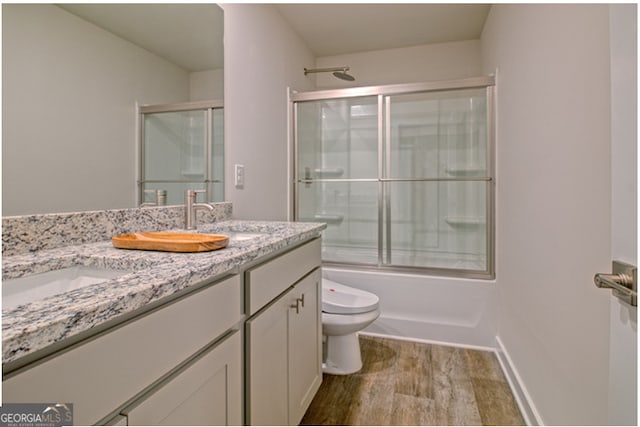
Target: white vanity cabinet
<point>183,357</point>
<point>283,337</point>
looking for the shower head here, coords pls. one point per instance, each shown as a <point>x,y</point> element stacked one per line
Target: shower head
<point>343,75</point>
<point>339,72</point>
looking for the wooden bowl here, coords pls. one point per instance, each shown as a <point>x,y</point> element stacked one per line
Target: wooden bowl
<point>170,242</point>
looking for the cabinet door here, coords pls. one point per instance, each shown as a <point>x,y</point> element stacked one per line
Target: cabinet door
<point>267,364</point>
<point>206,392</point>
<point>305,346</point>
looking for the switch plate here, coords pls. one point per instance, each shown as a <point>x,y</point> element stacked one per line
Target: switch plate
<point>239,176</point>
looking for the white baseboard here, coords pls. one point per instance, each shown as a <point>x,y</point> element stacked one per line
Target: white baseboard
<point>426,341</point>
<point>520,393</point>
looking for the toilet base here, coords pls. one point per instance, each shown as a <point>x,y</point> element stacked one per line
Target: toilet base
<point>342,355</point>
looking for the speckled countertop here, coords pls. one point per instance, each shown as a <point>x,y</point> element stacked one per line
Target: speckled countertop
<point>153,275</point>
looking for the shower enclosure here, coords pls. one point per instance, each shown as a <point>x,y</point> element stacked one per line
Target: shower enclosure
<point>181,147</point>
<point>401,174</point>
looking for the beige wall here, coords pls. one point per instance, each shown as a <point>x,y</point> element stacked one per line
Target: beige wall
<point>553,194</point>
<point>69,91</point>
<point>206,85</point>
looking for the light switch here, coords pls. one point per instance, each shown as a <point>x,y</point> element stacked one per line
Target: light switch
<point>239,176</point>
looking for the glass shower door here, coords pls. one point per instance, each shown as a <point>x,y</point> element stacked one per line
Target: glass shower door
<point>436,180</point>
<point>337,173</point>
<point>403,178</point>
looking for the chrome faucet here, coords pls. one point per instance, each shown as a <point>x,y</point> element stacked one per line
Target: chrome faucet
<point>191,207</point>
<point>160,195</point>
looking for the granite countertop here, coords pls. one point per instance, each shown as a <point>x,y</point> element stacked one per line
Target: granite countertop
<point>153,276</point>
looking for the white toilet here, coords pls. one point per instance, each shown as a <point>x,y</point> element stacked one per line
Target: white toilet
<point>345,311</point>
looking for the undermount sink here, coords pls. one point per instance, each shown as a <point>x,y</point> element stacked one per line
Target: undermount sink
<point>242,236</point>
<point>37,287</point>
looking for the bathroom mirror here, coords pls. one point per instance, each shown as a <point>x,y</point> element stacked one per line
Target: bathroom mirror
<point>73,76</point>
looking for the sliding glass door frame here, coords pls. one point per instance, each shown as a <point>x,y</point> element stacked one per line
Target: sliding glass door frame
<point>384,94</point>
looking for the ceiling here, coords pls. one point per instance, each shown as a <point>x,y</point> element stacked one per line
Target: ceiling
<point>335,29</point>
<point>184,34</point>
<point>188,35</point>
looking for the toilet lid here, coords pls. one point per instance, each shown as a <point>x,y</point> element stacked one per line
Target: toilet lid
<point>341,299</point>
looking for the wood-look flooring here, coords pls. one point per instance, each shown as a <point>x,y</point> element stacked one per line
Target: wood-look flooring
<point>409,383</point>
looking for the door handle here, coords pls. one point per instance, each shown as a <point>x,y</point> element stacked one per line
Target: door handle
<point>623,282</point>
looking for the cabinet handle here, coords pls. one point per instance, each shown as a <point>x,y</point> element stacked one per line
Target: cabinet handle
<point>296,306</point>
<point>299,301</point>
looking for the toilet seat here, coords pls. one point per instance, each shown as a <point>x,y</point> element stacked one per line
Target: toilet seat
<point>341,299</point>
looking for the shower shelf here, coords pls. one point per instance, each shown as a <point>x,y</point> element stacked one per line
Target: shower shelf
<point>328,172</point>
<point>464,221</point>
<point>465,171</point>
<point>329,218</point>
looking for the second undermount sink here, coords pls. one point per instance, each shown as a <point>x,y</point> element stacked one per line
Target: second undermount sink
<point>35,287</point>
<point>241,236</point>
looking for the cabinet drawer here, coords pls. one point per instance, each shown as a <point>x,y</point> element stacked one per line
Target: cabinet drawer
<point>270,279</point>
<point>205,392</point>
<point>102,373</point>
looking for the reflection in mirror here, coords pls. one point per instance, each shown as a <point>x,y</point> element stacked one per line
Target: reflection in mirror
<point>181,148</point>
<point>72,78</point>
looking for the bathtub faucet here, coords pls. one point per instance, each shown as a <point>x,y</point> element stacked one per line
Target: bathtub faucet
<point>191,207</point>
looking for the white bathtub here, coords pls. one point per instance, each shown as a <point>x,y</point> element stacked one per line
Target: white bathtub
<point>446,310</point>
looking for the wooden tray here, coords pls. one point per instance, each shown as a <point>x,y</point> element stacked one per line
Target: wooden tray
<point>171,242</point>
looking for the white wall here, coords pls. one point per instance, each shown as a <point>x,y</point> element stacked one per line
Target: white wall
<point>553,212</point>
<point>263,56</point>
<point>441,61</point>
<point>69,93</point>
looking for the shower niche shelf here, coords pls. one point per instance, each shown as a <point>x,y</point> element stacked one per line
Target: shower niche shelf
<point>328,218</point>
<point>328,172</point>
<point>465,170</point>
<point>464,221</point>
